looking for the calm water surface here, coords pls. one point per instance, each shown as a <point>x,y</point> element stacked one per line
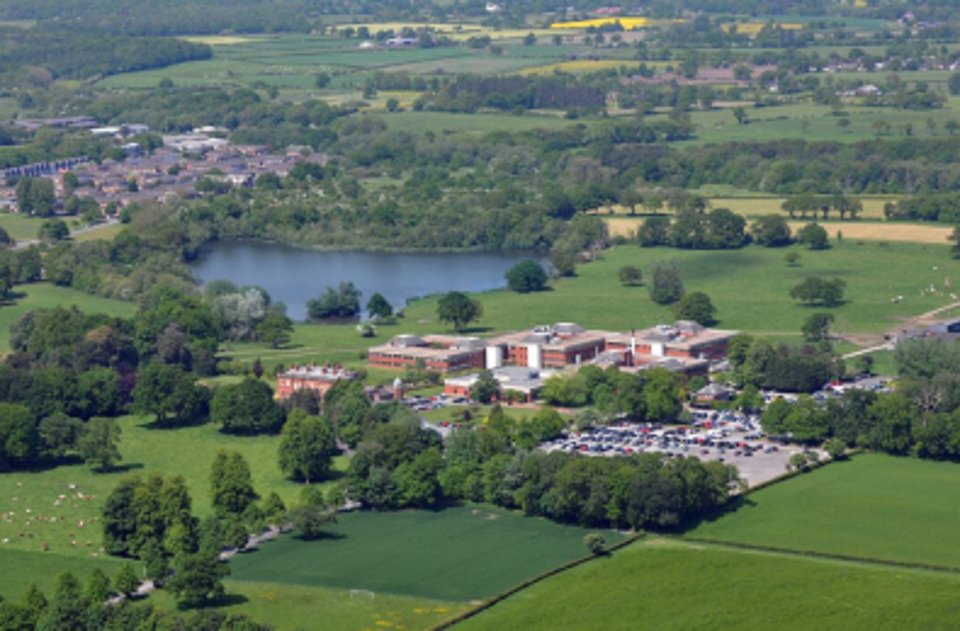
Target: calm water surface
<point>294,275</point>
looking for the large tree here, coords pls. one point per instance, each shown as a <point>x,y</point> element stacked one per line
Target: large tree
<point>247,407</point>
<point>342,301</point>
<point>666,286</point>
<point>197,579</point>
<point>231,484</point>
<point>815,290</point>
<point>307,447</point>
<point>771,231</point>
<point>458,309</point>
<point>696,306</point>
<point>378,307</point>
<point>99,443</point>
<point>275,329</point>
<point>171,394</point>
<point>526,276</point>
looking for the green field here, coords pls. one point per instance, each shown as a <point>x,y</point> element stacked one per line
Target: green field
<point>47,296</point>
<point>33,514</point>
<point>295,607</point>
<point>875,506</point>
<point>750,288</point>
<point>813,122</point>
<point>21,227</point>
<point>458,554</point>
<point>21,568</point>
<point>663,584</point>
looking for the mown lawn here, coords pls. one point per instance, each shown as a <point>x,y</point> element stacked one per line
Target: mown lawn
<point>875,506</point>
<point>456,554</point>
<point>666,585</point>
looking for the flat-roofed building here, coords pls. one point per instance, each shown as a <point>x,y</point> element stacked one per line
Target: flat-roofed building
<point>527,381</point>
<point>683,339</point>
<point>555,346</point>
<point>443,353</point>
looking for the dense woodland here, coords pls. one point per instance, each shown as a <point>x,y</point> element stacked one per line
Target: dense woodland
<point>41,57</point>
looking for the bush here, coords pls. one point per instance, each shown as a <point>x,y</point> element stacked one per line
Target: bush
<point>595,543</point>
<point>526,276</point>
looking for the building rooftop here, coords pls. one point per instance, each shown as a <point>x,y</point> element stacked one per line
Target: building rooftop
<point>313,372</point>
<point>510,377</point>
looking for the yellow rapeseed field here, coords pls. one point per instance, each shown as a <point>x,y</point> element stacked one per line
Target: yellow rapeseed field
<point>753,28</point>
<point>627,23</point>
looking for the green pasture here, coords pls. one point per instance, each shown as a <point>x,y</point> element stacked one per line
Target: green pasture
<point>818,123</point>
<point>874,506</point>
<point>60,508</point>
<point>47,296</point>
<point>455,554</point>
<point>294,607</point>
<point>750,288</point>
<point>21,568</point>
<point>662,584</point>
<point>21,227</point>
<point>451,122</point>
<point>290,61</point>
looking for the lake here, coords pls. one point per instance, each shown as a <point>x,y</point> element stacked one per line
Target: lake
<point>295,275</point>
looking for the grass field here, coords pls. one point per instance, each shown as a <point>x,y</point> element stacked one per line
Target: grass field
<point>875,506</point>
<point>749,287</point>
<point>20,568</point>
<point>289,607</point>
<point>47,296</point>
<point>33,513</point>
<point>20,227</point>
<point>444,122</point>
<point>818,123</point>
<point>457,554</point>
<point>663,584</point>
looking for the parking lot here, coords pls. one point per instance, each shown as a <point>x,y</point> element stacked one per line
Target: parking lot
<point>728,437</point>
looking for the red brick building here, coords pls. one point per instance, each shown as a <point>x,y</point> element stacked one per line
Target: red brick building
<point>312,377</point>
<point>442,353</point>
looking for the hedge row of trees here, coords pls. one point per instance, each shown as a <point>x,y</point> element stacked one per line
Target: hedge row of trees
<point>81,607</point>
